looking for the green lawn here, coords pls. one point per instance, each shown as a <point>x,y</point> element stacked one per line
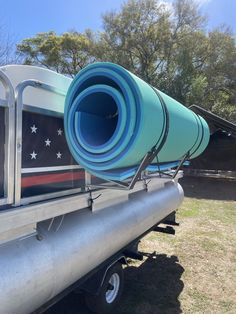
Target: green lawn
<point>191,272</point>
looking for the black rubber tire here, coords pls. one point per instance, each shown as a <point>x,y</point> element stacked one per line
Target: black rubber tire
<point>98,303</point>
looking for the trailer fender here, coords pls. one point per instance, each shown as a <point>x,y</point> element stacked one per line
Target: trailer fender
<point>95,282</point>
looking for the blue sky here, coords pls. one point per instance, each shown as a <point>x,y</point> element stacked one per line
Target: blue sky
<point>25,18</point>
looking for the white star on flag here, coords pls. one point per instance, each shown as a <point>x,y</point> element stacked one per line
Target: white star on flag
<point>59,132</point>
<point>47,142</point>
<point>33,155</point>
<point>33,129</point>
<point>59,154</point>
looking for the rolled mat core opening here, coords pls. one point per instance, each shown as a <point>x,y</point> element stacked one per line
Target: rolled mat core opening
<point>98,118</point>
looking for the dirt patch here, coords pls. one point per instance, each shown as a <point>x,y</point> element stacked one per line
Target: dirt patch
<point>209,188</point>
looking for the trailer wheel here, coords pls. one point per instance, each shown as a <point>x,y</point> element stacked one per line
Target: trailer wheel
<point>110,291</point>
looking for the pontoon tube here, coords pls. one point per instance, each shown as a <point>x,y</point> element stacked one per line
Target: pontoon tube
<point>32,272</point>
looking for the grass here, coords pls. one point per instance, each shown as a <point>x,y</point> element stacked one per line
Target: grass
<point>191,272</point>
<point>203,254</point>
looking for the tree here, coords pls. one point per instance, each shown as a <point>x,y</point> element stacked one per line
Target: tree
<point>136,37</point>
<point>168,47</point>
<point>220,67</point>
<point>165,45</point>
<point>7,47</point>
<point>67,53</point>
<point>145,36</point>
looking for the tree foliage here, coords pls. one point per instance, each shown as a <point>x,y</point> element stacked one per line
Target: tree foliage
<point>7,47</point>
<point>166,45</point>
<point>67,53</point>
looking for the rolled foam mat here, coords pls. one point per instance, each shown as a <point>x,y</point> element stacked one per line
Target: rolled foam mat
<point>113,118</point>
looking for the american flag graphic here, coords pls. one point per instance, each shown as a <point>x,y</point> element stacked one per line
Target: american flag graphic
<point>47,165</point>
<point>2,140</point>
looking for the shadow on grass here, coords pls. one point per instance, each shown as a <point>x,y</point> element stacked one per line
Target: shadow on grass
<point>153,287</point>
<point>209,188</point>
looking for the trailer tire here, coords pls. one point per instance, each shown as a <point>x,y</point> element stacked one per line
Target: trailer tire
<point>110,292</point>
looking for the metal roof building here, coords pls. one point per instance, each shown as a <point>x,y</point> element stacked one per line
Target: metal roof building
<point>219,159</point>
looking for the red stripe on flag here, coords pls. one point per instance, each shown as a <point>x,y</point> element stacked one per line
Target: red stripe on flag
<point>51,178</point>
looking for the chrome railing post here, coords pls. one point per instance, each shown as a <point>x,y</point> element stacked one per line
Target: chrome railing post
<point>9,104</point>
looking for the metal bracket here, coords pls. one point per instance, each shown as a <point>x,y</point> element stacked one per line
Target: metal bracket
<point>170,220</point>
<point>185,157</point>
<point>168,230</point>
<point>90,198</point>
<point>133,255</point>
<point>138,175</point>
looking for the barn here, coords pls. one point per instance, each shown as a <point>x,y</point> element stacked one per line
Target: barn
<point>219,158</point>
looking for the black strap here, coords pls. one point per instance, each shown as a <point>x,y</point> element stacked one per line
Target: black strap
<point>198,132</point>
<point>200,139</point>
<point>165,128</point>
<point>149,157</point>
